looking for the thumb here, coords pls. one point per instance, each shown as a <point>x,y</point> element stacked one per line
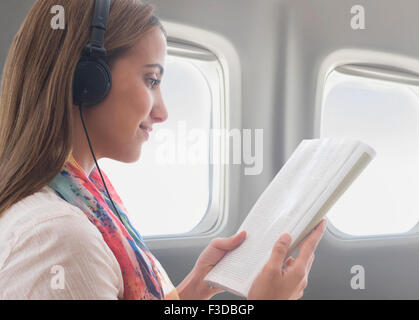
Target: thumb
<point>280,249</point>
<point>231,243</point>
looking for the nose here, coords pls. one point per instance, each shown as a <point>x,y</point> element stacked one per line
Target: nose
<point>159,112</point>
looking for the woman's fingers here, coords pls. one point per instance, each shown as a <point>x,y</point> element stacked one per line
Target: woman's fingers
<point>300,295</point>
<point>280,250</point>
<point>289,262</point>
<point>309,245</point>
<point>230,243</point>
<point>310,263</point>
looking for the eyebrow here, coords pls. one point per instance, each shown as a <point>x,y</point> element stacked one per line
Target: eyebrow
<point>156,66</point>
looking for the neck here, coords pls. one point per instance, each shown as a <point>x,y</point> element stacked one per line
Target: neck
<point>81,150</point>
<point>84,160</point>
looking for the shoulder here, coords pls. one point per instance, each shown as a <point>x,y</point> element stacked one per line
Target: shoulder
<point>42,234</point>
<point>34,209</point>
<point>40,212</point>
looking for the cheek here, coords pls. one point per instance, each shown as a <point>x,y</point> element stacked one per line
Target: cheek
<point>142,102</point>
<point>129,103</point>
<point>134,103</point>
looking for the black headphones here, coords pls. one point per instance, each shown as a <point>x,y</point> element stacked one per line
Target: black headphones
<point>92,78</point>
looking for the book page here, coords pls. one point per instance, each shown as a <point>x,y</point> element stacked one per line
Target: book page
<point>289,204</point>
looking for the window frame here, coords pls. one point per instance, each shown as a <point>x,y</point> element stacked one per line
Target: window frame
<point>217,172</point>
<point>366,68</point>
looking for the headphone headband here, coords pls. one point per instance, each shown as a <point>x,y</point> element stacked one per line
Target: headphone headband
<point>92,78</point>
<point>95,47</point>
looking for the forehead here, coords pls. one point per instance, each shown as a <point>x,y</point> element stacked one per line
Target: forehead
<point>151,48</point>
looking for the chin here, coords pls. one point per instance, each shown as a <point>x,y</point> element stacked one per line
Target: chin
<point>131,156</point>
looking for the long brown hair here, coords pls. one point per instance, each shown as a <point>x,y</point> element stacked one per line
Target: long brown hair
<point>36,96</point>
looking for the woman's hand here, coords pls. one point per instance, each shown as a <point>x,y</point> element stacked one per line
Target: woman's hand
<point>271,283</point>
<point>194,285</point>
<point>274,282</point>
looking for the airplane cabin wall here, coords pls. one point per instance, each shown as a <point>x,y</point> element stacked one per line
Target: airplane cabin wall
<point>285,48</point>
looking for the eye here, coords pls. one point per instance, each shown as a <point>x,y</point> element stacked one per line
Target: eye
<point>153,82</point>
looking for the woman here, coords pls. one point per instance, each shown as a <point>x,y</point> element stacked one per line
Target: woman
<point>61,236</point>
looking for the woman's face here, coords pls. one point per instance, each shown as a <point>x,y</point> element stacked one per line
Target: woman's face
<point>120,124</point>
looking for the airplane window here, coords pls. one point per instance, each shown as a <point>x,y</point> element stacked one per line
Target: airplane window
<point>170,190</point>
<point>385,114</point>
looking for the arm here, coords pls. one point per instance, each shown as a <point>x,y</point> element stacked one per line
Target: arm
<point>186,289</point>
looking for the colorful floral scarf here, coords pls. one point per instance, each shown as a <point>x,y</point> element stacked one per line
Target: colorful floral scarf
<point>143,276</point>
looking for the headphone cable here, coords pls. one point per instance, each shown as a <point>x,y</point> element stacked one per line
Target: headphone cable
<point>97,165</point>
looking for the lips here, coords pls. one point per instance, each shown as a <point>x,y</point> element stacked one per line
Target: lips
<point>146,130</point>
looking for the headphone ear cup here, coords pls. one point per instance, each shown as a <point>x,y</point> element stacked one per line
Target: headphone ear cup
<point>92,81</point>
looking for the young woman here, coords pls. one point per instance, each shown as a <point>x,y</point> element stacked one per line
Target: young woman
<point>61,236</point>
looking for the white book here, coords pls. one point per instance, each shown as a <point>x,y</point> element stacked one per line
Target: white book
<point>311,181</point>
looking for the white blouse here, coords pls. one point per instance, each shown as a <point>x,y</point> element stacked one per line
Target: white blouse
<point>50,250</point>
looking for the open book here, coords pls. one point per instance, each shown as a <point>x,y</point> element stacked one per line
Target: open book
<point>311,181</point>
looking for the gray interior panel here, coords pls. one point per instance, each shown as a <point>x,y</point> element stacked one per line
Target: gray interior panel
<point>282,47</point>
